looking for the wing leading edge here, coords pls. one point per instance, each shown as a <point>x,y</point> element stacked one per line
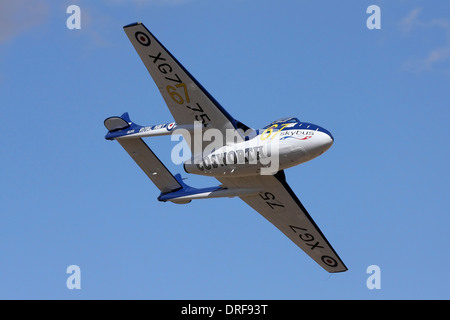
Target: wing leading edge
<point>280,206</point>
<point>185,97</point>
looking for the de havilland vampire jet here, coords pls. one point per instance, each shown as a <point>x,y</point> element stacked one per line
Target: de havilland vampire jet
<point>248,163</point>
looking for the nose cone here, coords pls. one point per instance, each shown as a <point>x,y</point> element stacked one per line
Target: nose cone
<point>326,141</point>
<point>320,143</point>
<point>328,133</point>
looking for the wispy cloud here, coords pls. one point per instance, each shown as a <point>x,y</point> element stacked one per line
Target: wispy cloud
<point>410,20</point>
<point>436,57</point>
<point>16,17</point>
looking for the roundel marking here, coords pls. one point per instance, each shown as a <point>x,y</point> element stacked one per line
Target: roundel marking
<point>142,38</point>
<point>170,126</point>
<point>329,261</point>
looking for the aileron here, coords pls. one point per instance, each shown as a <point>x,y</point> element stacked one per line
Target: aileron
<point>280,206</point>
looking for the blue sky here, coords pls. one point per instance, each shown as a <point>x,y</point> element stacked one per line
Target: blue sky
<point>380,194</point>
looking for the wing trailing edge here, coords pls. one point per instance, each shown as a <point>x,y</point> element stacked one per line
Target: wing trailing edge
<point>187,100</point>
<point>281,207</point>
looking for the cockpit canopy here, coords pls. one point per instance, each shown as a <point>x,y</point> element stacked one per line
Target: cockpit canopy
<point>283,121</point>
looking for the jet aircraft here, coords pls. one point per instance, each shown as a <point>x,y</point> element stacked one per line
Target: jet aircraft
<point>248,163</point>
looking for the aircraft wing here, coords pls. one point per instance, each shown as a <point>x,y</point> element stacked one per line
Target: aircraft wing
<point>150,164</point>
<point>185,97</point>
<point>278,204</point>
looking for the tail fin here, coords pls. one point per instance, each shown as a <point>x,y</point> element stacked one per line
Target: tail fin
<point>118,123</point>
<point>120,126</point>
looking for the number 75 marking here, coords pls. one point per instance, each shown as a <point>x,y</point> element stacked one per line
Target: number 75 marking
<point>269,198</point>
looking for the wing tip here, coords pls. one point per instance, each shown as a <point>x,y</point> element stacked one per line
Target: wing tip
<point>132,24</point>
<point>338,271</point>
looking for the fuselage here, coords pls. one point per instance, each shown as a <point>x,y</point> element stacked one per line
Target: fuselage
<point>281,144</point>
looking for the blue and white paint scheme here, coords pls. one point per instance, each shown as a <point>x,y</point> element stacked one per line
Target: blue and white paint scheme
<point>249,163</point>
